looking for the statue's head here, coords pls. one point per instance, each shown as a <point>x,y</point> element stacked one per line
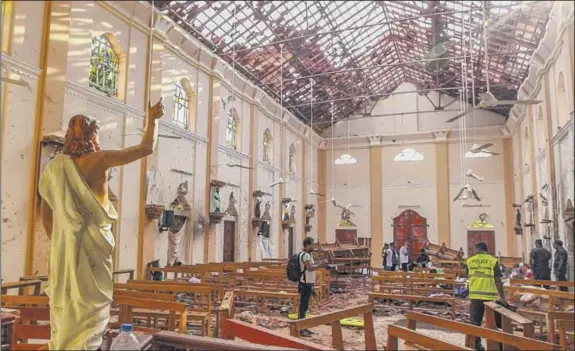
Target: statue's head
<point>81,136</point>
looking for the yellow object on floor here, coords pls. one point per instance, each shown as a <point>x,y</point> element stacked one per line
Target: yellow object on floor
<point>348,322</point>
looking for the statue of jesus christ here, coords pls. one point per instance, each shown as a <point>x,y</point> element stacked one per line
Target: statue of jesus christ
<point>77,216</point>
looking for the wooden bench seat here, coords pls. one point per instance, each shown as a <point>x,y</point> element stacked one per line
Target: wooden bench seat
<point>292,298</point>
<point>412,298</point>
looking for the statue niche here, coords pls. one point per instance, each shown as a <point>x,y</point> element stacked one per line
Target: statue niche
<point>231,210</point>
<point>216,213</point>
<point>181,209</point>
<point>257,219</point>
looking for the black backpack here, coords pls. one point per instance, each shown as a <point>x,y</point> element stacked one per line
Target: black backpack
<point>293,270</point>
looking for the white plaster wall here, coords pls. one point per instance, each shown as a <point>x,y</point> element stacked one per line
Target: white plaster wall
<point>17,146</point>
<point>348,184</point>
<point>491,191</point>
<point>311,172</point>
<point>409,185</point>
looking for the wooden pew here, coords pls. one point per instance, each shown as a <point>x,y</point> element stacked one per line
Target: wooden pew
<point>217,290</point>
<point>199,303</point>
<point>127,304</point>
<point>553,297</point>
<point>551,283</point>
<point>334,319</point>
<point>120,272</point>
<point>565,328</point>
<point>33,321</point>
<point>508,320</point>
<point>21,286</point>
<point>172,341</point>
<point>423,342</point>
<point>506,338</point>
<point>413,289</point>
<point>262,296</point>
<point>258,335</point>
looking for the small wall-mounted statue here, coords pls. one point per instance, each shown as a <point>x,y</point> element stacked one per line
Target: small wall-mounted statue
<point>181,203</point>
<point>285,214</point>
<point>291,213</point>
<point>267,216</point>
<point>257,208</point>
<point>216,201</point>
<point>232,211</point>
<point>518,218</point>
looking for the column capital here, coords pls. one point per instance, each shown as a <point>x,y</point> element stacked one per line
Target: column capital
<point>441,135</point>
<point>374,140</point>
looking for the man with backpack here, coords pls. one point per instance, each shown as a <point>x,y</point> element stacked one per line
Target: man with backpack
<point>301,268</point>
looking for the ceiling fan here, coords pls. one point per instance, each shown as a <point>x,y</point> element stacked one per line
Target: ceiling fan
<point>488,101</point>
<point>471,174</point>
<point>332,200</point>
<point>232,165</point>
<point>313,192</point>
<point>476,149</point>
<point>465,193</point>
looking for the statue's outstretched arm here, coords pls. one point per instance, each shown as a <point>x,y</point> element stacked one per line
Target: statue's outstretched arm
<point>114,158</point>
<point>47,222</point>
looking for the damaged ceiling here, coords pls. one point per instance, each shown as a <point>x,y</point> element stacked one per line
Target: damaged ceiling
<point>355,52</point>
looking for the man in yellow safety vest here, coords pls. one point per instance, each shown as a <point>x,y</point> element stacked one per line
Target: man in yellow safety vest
<point>484,284</point>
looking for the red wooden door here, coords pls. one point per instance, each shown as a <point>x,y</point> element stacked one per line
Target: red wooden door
<point>411,227</point>
<point>476,236</point>
<point>229,241</point>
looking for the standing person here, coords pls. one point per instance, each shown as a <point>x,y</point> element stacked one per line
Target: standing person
<point>560,263</point>
<point>422,259</point>
<point>386,267</point>
<point>392,256</point>
<point>539,261</point>
<point>404,256</point>
<point>484,285</point>
<point>307,280</point>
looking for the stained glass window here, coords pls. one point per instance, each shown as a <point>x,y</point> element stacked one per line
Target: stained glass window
<point>104,66</point>
<point>231,131</point>
<point>181,106</point>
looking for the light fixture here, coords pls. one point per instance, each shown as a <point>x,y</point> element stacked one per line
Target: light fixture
<point>345,159</point>
<point>407,155</point>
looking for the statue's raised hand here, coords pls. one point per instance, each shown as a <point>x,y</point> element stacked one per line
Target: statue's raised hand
<point>157,111</point>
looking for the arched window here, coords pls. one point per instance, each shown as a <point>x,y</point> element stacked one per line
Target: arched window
<point>561,98</point>
<point>291,163</point>
<point>267,144</point>
<point>232,129</point>
<point>104,66</point>
<point>182,94</point>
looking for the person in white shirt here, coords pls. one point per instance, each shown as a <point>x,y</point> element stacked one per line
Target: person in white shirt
<point>390,259</point>
<point>404,256</point>
<point>307,280</point>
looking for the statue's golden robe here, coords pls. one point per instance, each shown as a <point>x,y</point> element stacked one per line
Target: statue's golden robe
<point>80,283</point>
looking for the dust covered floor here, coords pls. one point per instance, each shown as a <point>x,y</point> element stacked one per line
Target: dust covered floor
<point>355,293</point>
